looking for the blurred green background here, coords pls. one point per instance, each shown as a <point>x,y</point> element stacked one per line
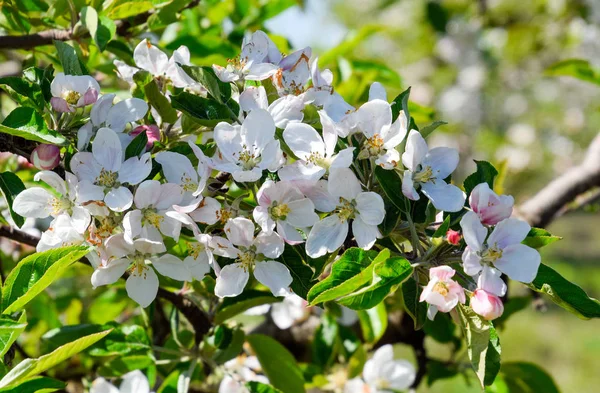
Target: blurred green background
<point>487,67</point>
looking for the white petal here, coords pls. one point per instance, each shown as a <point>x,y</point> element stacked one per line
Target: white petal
<point>170,266</point>
<point>490,281</point>
<point>377,92</point>
<point>343,184</point>
<point>509,231</point>
<point>170,194</point>
<point>119,199</point>
<point>101,385</point>
<point>271,245</point>
<point>136,169</point>
<point>303,140</point>
<point>343,159</point>
<point>261,216</point>
<point>125,112</point>
<point>326,236</point>
<point>273,275</point>
<point>53,180</point>
<point>253,97</point>
<point>240,231</point>
<point>473,231</point>
<point>286,109</point>
<point>176,167</point>
<point>107,150</point>
<point>259,72</point>
<point>80,218</point>
<point>132,224</point>
<point>371,208</point>
<point>110,273</point>
<point>229,141</point>
<point>135,382</point>
<point>442,160</point>
<point>258,129</point>
<point>151,242</point>
<point>318,194</point>
<point>300,170</point>
<point>198,267</point>
<point>519,262</point>
<point>208,211</point>
<point>471,262</point>
<point>231,281</point>
<point>446,197</point>
<point>302,213</point>
<point>117,246</point>
<point>373,116</point>
<point>83,166</point>
<point>99,112</point>
<point>416,149</point>
<point>365,234</point>
<point>142,287</point>
<point>34,202</point>
<point>147,194</point>
<point>150,58</point>
<point>247,176</point>
<point>87,191</point>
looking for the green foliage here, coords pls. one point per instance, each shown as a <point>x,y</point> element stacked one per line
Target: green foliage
<point>373,322</point>
<point>11,186</point>
<point>326,342</point>
<point>27,123</point>
<point>538,238</point>
<point>294,259</point>
<point>392,187</point>
<point>576,68</point>
<point>411,292</point>
<point>10,329</point>
<point>278,364</point>
<point>231,307</point>
<point>36,384</point>
<point>257,387</point>
<point>485,174</point>
<point>521,377</point>
<point>564,293</point>
<point>137,146</point>
<point>205,111</point>
<point>69,60</point>
<point>162,105</point>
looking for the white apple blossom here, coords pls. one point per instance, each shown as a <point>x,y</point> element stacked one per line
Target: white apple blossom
<point>427,169</point>
<point>293,72</point>
<point>62,232</point>
<point>365,209</point>
<point>255,62</point>
<point>252,254</point>
<point>178,169</point>
<point>442,293</point>
<point>316,154</point>
<point>282,205</point>
<point>38,202</point>
<point>132,382</point>
<point>489,206</point>
<point>283,110</point>
<point>248,149</point>
<point>240,370</point>
<point>502,250</point>
<point>142,283</point>
<point>70,92</point>
<point>103,173</point>
<point>105,113</point>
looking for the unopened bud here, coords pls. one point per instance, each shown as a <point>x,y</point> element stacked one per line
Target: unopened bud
<point>152,133</point>
<point>45,157</point>
<point>453,237</point>
<point>486,305</point>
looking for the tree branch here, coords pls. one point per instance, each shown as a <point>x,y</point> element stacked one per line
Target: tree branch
<point>18,235</point>
<point>549,202</point>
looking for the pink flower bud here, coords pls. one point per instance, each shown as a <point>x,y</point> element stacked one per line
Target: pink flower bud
<point>152,132</point>
<point>453,237</point>
<point>486,305</point>
<point>489,206</point>
<point>45,157</point>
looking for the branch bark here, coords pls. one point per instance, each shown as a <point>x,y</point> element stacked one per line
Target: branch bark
<point>550,201</point>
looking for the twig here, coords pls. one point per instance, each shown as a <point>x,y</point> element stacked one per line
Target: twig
<point>18,235</point>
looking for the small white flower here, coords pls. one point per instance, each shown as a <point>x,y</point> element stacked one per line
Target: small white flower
<point>200,257</point>
<point>502,250</point>
<point>132,382</point>
<point>252,253</point>
<point>382,373</point>
<point>248,149</point>
<point>239,371</point>
<point>293,72</point>
<point>284,110</point>
<point>316,154</point>
<point>70,92</point>
<point>428,169</point>
<point>365,209</point>
<point>281,204</point>
<point>102,172</point>
<point>142,283</point>
<point>442,293</point>
<point>62,232</point>
<point>37,202</point>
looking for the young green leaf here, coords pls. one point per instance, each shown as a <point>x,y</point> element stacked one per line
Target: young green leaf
<point>485,174</point>
<point>326,341</point>
<point>401,103</point>
<point>427,130</point>
<point>206,111</point>
<point>33,274</point>
<point>160,102</point>
<point>278,363</point>
<point>373,323</point>
<point>417,310</point>
<point>69,59</point>
<point>36,384</point>
<point>443,228</point>
<point>206,76</point>
<point>257,387</point>
<point>137,145</point>
<point>10,330</point>
<point>302,274</point>
<point>11,185</point>
<point>25,92</point>
<point>538,238</point>
<point>26,123</point>
<point>391,184</point>
<point>237,305</point>
<point>564,293</point>
<point>31,367</point>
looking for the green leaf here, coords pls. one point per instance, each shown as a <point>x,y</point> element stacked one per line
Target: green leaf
<point>160,102</point>
<point>485,174</point>
<point>137,146</point>
<point>483,345</point>
<point>441,329</point>
<point>207,112</point>
<point>257,387</point>
<point>442,229</point>
<point>373,323</point>
<point>391,184</point>
<point>357,361</point>
<point>123,340</point>
<point>34,273</point>
<point>417,310</point>
<point>237,305</point>
<point>31,367</point>
<point>538,238</point>
<point>11,186</point>
<point>26,123</point>
<point>564,293</point>
<point>386,274</point>
<point>233,349</point>
<point>391,219</point>
<point>89,19</point>
<point>278,363</point>
<point>326,341</point>
<point>206,76</point>
<point>577,68</point>
<point>10,330</point>
<point>107,29</point>
<point>427,130</point>
<point>68,59</point>
<point>353,270</point>
<point>37,385</point>
<point>25,92</point>
<point>302,274</point>
<point>521,377</point>
<point>121,9</point>
<point>401,103</point>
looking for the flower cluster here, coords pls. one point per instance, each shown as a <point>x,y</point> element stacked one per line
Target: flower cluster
<point>233,196</point>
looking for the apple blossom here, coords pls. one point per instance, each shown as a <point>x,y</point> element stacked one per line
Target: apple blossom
<point>486,304</point>
<point>70,92</point>
<point>248,149</point>
<point>293,72</point>
<point>152,133</point>
<point>502,249</point>
<point>132,382</point>
<point>283,110</point>
<point>103,172</point>
<point>427,169</point>
<point>365,209</point>
<point>252,254</point>
<point>489,206</point>
<point>178,169</point>
<point>442,293</point>
<point>63,231</point>
<point>281,204</point>
<point>45,157</point>
<point>453,237</point>
<point>240,370</point>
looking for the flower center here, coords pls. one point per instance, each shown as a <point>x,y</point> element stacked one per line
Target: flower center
<point>60,205</point>
<point>424,175</point>
<point>441,288</point>
<point>188,184</point>
<point>345,210</point>
<point>247,159</point>
<point>279,212</point>
<point>317,159</point>
<point>382,384</point>
<point>491,255</point>
<point>72,97</point>
<point>194,249</point>
<point>107,179</point>
<point>153,217</point>
<point>247,257</point>
<point>223,215</point>
<point>373,147</point>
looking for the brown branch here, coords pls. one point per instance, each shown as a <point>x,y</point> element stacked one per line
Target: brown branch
<point>18,235</point>
<point>550,201</point>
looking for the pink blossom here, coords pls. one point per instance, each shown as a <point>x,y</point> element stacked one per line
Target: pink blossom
<point>489,206</point>
<point>453,237</point>
<point>45,157</point>
<point>442,293</point>
<point>488,305</point>
<point>152,132</point>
